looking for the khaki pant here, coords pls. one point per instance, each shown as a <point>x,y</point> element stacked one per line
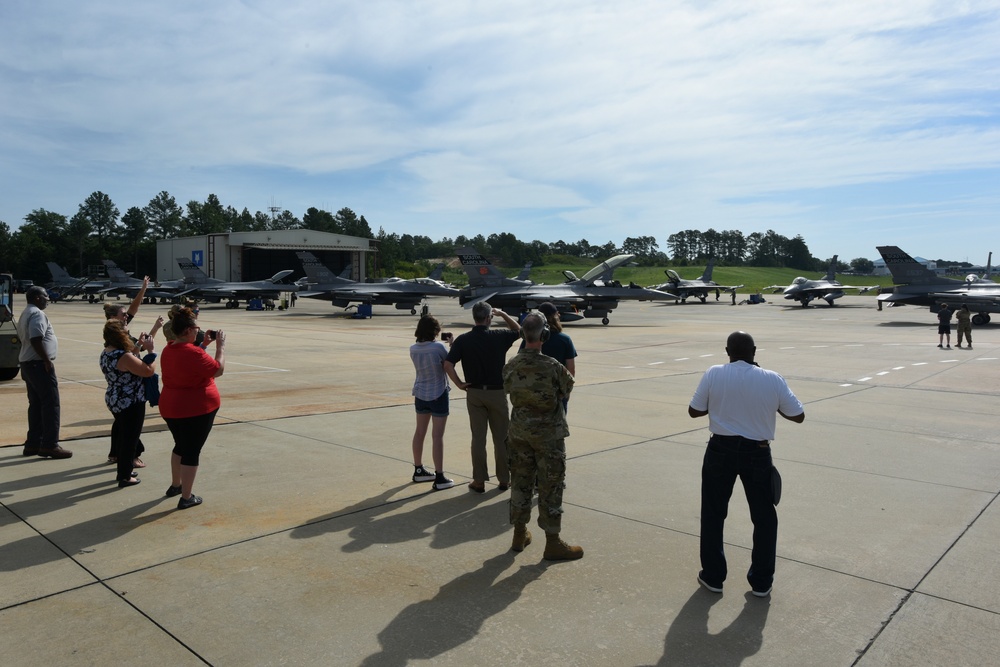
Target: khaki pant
<point>488,409</point>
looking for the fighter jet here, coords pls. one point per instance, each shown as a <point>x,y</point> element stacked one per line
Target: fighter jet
<point>122,283</point>
<point>699,287</point>
<point>68,286</point>
<point>827,288</point>
<point>917,285</point>
<point>199,285</point>
<point>321,283</point>
<point>594,295</point>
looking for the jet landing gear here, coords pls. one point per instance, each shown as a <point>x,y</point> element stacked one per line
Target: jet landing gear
<point>979,319</point>
<point>233,303</point>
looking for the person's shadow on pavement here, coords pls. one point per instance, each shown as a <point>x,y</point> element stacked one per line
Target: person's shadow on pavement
<point>455,615</point>
<point>688,641</point>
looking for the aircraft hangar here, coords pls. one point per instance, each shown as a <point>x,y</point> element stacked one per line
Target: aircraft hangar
<point>244,256</point>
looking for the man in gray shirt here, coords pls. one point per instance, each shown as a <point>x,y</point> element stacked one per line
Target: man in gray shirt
<point>39,349</point>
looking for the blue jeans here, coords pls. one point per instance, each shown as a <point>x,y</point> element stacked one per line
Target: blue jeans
<point>43,405</point>
<point>726,459</point>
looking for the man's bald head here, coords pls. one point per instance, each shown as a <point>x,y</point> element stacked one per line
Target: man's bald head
<point>740,345</point>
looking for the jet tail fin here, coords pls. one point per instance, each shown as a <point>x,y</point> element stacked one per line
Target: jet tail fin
<point>831,274</point>
<point>906,270</point>
<point>707,275</point>
<point>480,270</point>
<point>59,273</point>
<point>316,271</point>
<point>116,273</point>
<point>437,272</point>
<point>192,274</point>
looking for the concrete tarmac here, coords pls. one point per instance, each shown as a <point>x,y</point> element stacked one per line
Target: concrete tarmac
<point>314,548</point>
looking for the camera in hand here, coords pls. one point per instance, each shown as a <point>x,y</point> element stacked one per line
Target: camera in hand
<point>210,334</point>
<point>447,335</point>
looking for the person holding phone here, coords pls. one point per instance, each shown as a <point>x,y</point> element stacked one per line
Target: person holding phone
<point>125,396</point>
<point>430,399</point>
<point>190,400</point>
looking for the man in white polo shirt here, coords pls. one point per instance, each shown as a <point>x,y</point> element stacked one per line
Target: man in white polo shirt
<point>741,400</point>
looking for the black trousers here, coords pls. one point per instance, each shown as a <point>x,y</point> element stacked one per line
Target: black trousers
<point>726,459</point>
<point>125,434</point>
<point>190,434</point>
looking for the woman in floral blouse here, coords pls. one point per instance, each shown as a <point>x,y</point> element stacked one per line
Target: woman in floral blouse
<point>125,396</point>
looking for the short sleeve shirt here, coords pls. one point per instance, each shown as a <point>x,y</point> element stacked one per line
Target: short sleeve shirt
<point>125,389</point>
<point>559,346</point>
<point>482,352</point>
<point>744,399</point>
<point>34,323</point>
<point>431,380</point>
<point>188,381</point>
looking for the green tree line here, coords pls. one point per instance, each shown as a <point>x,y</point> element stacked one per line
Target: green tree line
<point>99,231</point>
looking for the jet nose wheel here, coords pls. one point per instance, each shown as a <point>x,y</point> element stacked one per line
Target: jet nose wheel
<point>413,311</point>
<point>605,321</point>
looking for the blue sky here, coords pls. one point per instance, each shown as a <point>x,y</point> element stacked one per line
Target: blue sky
<point>852,123</point>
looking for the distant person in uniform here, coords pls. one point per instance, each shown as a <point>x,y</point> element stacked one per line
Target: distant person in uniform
<point>944,326</point>
<point>482,352</point>
<point>39,348</point>
<point>536,440</point>
<point>964,318</point>
<point>430,399</point>
<point>741,400</point>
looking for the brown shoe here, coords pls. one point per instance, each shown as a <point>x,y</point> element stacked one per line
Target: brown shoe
<point>522,537</point>
<point>56,452</point>
<point>556,549</point>
<point>478,487</point>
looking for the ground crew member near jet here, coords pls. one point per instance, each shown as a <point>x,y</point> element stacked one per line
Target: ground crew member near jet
<point>964,318</point>
<point>741,400</point>
<point>482,353</point>
<point>536,440</point>
<point>944,325</point>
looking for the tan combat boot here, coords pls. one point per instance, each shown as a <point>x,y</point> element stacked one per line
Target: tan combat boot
<point>522,537</point>
<point>556,549</point>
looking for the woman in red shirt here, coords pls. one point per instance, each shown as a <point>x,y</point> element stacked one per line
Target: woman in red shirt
<point>189,400</point>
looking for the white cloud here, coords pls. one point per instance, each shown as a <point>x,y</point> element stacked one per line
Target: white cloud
<point>629,115</point>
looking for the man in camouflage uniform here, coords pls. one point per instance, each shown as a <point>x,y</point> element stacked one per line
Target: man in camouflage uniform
<point>536,445</point>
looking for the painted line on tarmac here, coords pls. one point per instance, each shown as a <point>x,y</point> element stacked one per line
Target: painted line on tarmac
<point>264,369</point>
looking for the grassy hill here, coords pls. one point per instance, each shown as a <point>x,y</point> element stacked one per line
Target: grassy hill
<point>754,279</point>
